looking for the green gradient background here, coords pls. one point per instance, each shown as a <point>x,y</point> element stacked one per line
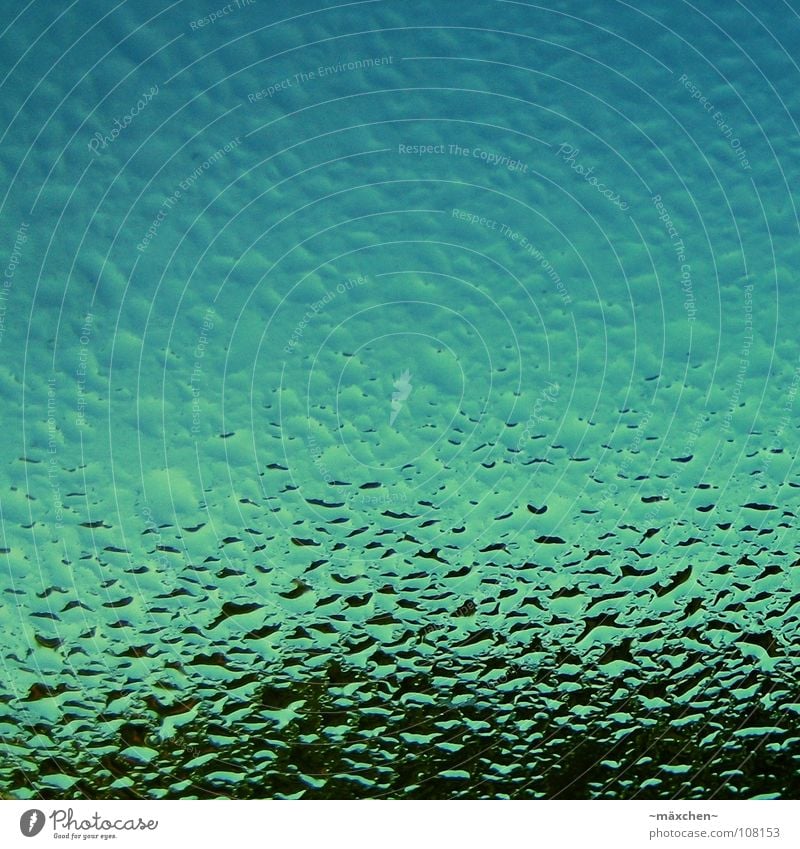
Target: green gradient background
<point>233,566</point>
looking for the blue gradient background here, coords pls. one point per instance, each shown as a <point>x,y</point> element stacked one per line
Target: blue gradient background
<point>244,556</point>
